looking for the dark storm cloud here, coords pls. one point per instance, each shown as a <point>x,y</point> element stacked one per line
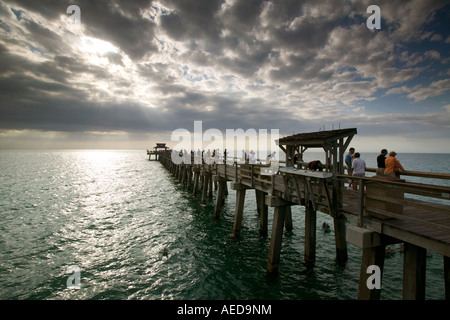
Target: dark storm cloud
<point>119,22</point>
<point>42,105</point>
<point>195,18</point>
<point>232,64</point>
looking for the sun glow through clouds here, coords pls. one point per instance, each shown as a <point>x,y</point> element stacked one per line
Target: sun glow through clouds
<point>97,46</point>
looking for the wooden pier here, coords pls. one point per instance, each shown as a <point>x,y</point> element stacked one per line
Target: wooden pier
<point>380,212</point>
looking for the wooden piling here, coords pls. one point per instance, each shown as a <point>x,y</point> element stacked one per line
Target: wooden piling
<point>310,233</point>
<point>220,195</point>
<point>196,180</point>
<point>414,266</point>
<point>339,236</point>
<point>288,220</point>
<point>279,215</point>
<point>263,212</point>
<point>276,239</point>
<point>239,213</point>
<point>189,177</point>
<point>205,188</point>
<point>210,186</point>
<point>183,174</point>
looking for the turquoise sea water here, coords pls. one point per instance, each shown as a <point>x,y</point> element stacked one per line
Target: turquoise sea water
<point>111,213</point>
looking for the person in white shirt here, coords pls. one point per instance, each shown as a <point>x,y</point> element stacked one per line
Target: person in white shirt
<point>252,158</point>
<point>358,168</point>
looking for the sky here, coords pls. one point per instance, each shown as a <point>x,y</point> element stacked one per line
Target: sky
<point>126,74</point>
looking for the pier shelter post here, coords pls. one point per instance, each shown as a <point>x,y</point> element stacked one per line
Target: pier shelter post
<point>276,238</point>
<point>239,214</point>
<point>414,266</point>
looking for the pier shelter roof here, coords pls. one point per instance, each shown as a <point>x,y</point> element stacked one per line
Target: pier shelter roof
<point>333,142</point>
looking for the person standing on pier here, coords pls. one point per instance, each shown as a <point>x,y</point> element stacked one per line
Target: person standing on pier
<point>252,158</point>
<point>381,165</point>
<point>358,167</point>
<point>393,166</point>
<point>269,158</point>
<point>348,162</point>
<point>297,160</point>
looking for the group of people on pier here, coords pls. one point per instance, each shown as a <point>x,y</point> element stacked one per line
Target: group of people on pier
<point>209,157</point>
<point>386,165</point>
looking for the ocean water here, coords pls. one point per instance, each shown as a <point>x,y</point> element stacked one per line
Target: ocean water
<point>111,214</point>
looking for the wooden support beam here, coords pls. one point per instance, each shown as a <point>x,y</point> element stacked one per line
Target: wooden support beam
<point>339,236</point>
<point>372,256</point>
<point>263,211</point>
<point>205,187</point>
<point>180,168</point>
<point>189,177</point>
<point>226,190</point>
<point>276,239</point>
<point>239,214</point>
<point>414,265</point>
<point>196,180</point>
<point>238,186</point>
<point>210,186</point>
<point>258,201</point>
<point>183,173</point>
<point>220,198</point>
<point>274,201</point>
<point>310,233</point>
<point>288,220</point>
